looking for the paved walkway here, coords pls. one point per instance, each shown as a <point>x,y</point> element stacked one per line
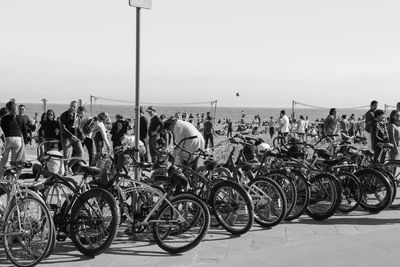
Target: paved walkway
<point>357,239</point>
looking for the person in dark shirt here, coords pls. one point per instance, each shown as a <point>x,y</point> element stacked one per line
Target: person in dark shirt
<point>379,134</point>
<point>155,128</point>
<point>50,129</point>
<point>369,122</point>
<point>118,130</point>
<point>30,126</point>
<point>143,136</point>
<point>208,132</point>
<point>69,126</point>
<point>13,130</point>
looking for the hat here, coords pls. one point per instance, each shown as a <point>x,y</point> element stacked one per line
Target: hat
<point>150,108</point>
<point>119,117</point>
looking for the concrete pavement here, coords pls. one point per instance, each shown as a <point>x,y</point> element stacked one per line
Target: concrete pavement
<point>356,239</point>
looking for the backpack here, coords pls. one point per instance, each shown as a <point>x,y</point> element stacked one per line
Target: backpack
<point>88,126</point>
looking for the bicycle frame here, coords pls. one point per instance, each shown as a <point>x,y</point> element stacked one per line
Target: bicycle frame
<point>138,187</point>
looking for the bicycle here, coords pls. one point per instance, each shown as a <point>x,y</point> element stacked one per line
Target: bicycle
<point>178,221</point>
<point>231,205</point>
<point>89,217</point>
<point>26,225</point>
<point>269,200</point>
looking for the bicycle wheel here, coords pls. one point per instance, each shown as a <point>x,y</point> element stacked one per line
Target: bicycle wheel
<point>288,187</point>
<point>181,225</point>
<point>351,191</point>
<point>376,190</point>
<point>94,222</point>
<point>57,194</point>
<point>325,196</point>
<point>278,141</point>
<point>303,195</point>
<point>269,201</point>
<point>29,244</point>
<point>232,207</point>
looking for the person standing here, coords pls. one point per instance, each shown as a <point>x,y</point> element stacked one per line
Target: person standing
<point>49,127</point>
<point>230,128</point>
<point>143,135</point>
<point>301,128</point>
<point>394,134</point>
<point>155,128</point>
<point>344,128</point>
<point>29,123</point>
<point>284,124</point>
<point>100,137</point>
<point>118,130</point>
<point>379,134</point>
<point>69,140</point>
<point>330,123</point>
<point>369,123</point>
<point>271,127</point>
<point>208,131</point>
<point>14,130</point>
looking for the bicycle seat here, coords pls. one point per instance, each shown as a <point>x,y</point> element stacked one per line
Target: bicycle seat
<point>360,139</point>
<point>331,162</point>
<point>90,170</point>
<point>323,153</point>
<point>250,165</point>
<point>210,164</point>
<point>385,145</point>
<point>54,154</point>
<point>344,142</point>
<point>21,164</point>
<point>367,152</point>
<point>392,163</point>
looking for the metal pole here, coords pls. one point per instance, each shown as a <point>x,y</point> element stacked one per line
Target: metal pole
<point>137,85</point>
<point>44,105</point>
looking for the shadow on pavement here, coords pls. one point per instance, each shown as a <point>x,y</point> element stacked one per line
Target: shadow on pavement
<point>350,220</point>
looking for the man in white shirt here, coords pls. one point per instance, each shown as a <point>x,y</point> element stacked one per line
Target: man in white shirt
<point>181,130</point>
<point>284,124</point>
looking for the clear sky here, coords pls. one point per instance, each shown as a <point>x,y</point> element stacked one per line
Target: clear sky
<point>341,53</point>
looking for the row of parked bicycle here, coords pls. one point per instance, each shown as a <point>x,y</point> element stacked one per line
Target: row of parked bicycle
<point>240,182</point>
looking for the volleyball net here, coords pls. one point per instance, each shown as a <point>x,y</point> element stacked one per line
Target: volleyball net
<point>99,103</point>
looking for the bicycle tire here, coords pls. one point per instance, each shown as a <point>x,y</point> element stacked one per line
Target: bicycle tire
<point>325,196</point>
<point>287,185</point>
<point>373,183</point>
<point>44,221</point>
<point>269,210</point>
<point>57,194</point>
<point>351,191</point>
<point>303,195</point>
<point>83,219</point>
<point>166,231</point>
<point>278,141</point>
<point>393,184</point>
<point>238,206</point>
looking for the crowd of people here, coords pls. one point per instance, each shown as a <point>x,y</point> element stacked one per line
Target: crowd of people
<point>75,132</point>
